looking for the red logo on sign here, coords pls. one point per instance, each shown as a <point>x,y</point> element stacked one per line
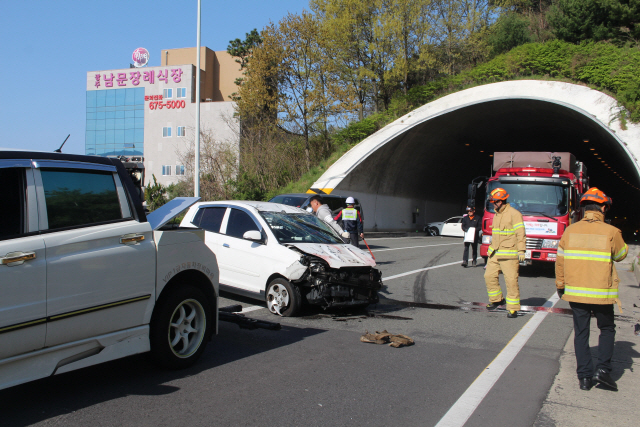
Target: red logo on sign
<point>140,57</point>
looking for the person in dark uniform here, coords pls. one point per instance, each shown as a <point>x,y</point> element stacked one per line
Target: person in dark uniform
<point>352,221</point>
<point>471,220</point>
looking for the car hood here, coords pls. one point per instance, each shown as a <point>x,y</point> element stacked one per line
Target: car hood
<point>337,256</point>
<point>170,210</point>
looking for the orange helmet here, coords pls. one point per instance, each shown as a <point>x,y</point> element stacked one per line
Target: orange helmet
<point>593,195</point>
<point>498,194</point>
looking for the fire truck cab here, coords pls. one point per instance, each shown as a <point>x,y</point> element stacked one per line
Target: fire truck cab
<point>546,188</point>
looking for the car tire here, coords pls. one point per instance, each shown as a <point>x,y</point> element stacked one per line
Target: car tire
<point>283,298</point>
<point>180,327</point>
<point>434,231</point>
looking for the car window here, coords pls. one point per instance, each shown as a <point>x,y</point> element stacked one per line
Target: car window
<point>210,218</point>
<point>12,214</point>
<point>335,203</point>
<point>296,201</point>
<point>451,221</point>
<point>79,197</point>
<point>239,223</point>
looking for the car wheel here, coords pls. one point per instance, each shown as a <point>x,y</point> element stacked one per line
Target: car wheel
<point>434,231</point>
<point>283,298</point>
<point>180,325</point>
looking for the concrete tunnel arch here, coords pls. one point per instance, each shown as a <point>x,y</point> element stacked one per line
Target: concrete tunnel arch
<point>421,163</point>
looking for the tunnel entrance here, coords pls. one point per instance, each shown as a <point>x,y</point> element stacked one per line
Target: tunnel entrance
<point>416,170</point>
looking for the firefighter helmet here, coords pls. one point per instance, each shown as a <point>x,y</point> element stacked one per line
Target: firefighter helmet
<point>499,194</point>
<point>350,200</point>
<point>593,195</point>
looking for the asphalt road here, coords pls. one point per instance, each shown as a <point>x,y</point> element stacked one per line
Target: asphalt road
<point>316,372</point>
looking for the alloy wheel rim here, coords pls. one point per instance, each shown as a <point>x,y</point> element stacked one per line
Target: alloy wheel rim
<point>186,328</point>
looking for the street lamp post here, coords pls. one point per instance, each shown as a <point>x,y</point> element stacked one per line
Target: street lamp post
<point>196,178</point>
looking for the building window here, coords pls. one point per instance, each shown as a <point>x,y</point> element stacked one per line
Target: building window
<point>166,170</point>
<point>167,93</point>
<point>179,170</point>
<point>166,132</point>
<point>180,131</point>
<point>181,92</point>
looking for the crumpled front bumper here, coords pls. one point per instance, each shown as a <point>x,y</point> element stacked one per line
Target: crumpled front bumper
<point>343,287</point>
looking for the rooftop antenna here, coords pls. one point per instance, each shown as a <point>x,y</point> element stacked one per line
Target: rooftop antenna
<point>59,150</point>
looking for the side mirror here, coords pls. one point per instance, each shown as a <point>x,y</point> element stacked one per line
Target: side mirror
<point>253,235</point>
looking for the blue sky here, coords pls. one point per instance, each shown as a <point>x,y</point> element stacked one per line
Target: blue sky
<point>49,46</point>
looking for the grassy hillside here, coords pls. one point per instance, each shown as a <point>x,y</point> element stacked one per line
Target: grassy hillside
<point>601,66</point>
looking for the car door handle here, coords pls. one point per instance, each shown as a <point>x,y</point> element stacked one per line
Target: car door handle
<point>226,245</point>
<point>13,257</point>
<point>132,238</point>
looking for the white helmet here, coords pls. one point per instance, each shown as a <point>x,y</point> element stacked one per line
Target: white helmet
<point>350,200</point>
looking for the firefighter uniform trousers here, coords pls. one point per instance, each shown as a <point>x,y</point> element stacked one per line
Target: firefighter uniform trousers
<point>510,269</point>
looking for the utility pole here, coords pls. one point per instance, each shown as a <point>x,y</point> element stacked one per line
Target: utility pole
<point>196,179</point>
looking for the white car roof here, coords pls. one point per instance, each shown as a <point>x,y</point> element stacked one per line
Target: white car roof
<point>259,206</point>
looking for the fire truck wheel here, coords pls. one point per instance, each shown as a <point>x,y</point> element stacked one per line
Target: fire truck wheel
<point>283,298</point>
<point>180,325</point>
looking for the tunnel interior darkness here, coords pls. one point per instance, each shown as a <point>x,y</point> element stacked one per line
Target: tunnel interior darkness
<point>437,159</point>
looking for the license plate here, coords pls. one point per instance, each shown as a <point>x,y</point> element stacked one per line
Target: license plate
<point>527,254</point>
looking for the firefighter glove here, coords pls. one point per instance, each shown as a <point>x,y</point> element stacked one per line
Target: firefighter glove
<point>560,292</point>
<point>521,256</point>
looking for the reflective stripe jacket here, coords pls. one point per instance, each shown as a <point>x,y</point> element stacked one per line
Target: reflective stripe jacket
<point>584,267</point>
<point>508,234</point>
<point>351,220</point>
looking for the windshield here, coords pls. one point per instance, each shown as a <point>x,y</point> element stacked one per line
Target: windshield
<point>534,199</point>
<point>299,228</point>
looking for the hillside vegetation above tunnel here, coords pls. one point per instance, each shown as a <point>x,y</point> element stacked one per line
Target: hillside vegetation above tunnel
<point>599,65</point>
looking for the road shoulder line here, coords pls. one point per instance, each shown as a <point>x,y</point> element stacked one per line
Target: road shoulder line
<point>464,407</point>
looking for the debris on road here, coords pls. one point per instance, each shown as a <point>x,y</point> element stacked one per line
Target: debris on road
<point>384,337</point>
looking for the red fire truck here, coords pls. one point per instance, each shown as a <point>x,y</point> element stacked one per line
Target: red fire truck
<point>546,188</point>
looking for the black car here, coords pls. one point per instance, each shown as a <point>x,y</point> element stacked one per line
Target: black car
<point>301,200</point>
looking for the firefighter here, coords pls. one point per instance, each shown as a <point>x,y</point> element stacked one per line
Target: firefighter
<point>505,252</point>
<point>351,221</point>
<point>323,212</point>
<point>587,278</point>
<point>470,221</point>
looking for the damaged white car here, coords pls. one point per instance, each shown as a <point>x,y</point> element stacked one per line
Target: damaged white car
<point>284,256</point>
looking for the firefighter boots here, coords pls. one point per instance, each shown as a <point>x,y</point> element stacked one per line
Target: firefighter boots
<point>512,314</point>
<point>494,305</point>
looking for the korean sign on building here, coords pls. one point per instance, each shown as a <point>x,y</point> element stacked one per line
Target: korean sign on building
<point>133,77</point>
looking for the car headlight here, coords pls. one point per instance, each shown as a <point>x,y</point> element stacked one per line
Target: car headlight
<point>550,244</point>
<point>486,239</point>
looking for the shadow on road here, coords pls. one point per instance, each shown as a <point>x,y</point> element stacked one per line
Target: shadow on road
<point>136,375</point>
<point>539,269</point>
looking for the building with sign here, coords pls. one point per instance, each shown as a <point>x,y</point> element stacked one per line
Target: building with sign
<point>150,112</point>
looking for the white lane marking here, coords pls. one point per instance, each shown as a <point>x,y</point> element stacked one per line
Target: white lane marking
<point>413,247</point>
<point>464,407</point>
<point>412,237</point>
<point>384,279</point>
<point>251,308</point>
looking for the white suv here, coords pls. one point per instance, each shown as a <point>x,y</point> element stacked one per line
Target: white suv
<point>86,276</point>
